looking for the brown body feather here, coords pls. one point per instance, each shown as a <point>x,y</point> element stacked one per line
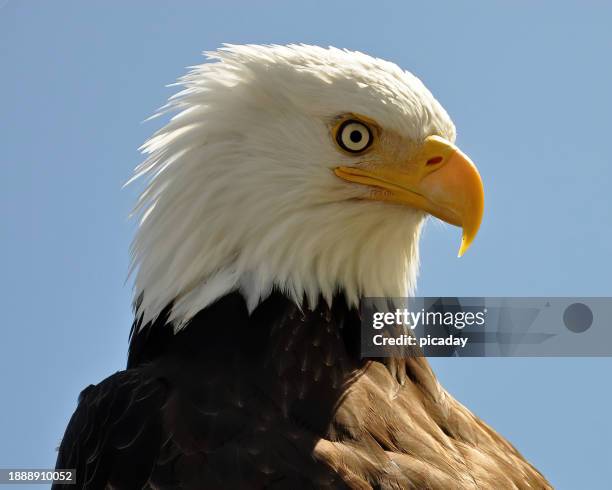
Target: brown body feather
<point>278,399</point>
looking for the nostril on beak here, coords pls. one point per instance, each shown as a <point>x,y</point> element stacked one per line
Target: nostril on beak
<point>434,160</point>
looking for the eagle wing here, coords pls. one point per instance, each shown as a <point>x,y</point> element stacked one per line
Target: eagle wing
<point>115,434</point>
<point>398,427</point>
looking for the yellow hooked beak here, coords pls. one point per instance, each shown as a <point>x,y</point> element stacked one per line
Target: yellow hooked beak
<point>441,181</point>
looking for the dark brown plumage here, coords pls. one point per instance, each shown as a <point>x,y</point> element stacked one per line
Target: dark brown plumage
<point>278,399</point>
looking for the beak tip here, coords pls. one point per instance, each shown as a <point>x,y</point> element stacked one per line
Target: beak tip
<point>465,244</point>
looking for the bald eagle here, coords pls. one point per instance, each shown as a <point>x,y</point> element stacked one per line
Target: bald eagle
<point>291,182</point>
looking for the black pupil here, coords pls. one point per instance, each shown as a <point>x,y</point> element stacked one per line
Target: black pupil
<point>355,136</point>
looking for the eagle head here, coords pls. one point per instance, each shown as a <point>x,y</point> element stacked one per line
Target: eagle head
<point>297,168</point>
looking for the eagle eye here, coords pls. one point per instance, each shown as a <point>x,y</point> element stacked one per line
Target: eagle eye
<point>354,136</point>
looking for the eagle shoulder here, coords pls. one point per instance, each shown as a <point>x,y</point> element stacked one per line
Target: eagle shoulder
<point>115,434</point>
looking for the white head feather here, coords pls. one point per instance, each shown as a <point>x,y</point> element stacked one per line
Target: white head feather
<point>241,194</point>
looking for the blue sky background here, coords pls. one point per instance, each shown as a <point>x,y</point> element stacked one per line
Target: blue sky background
<point>527,83</point>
